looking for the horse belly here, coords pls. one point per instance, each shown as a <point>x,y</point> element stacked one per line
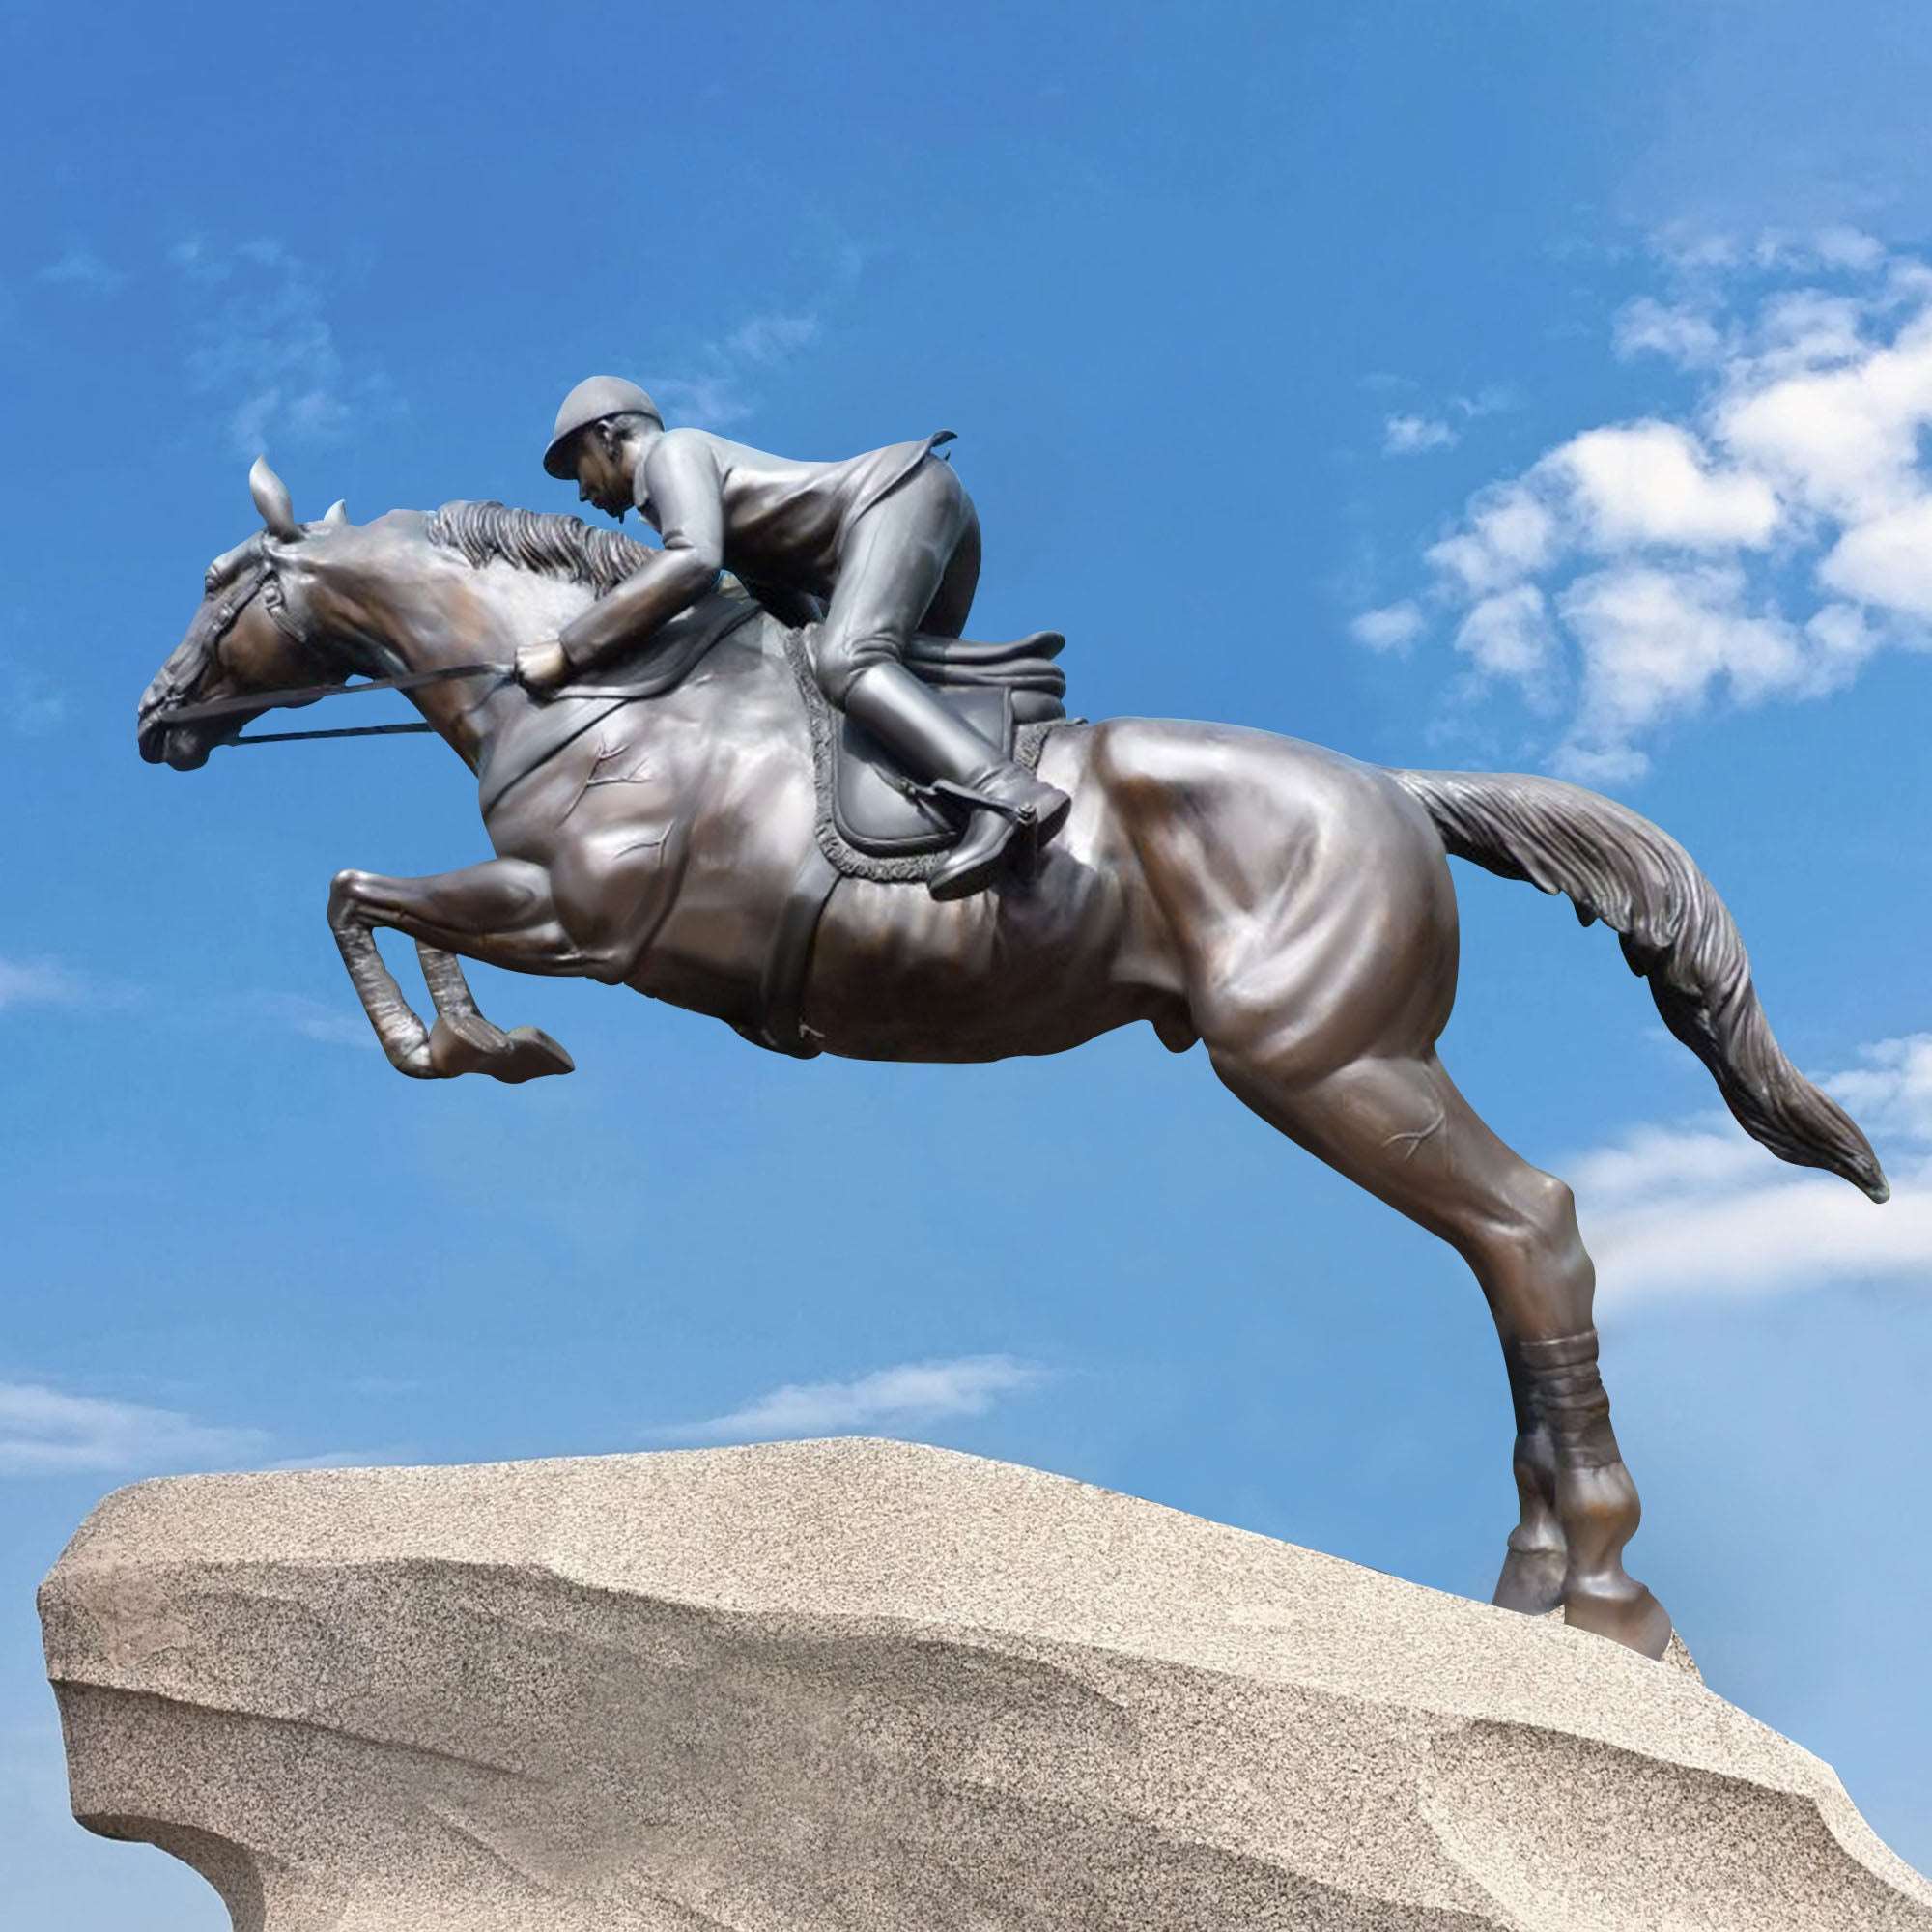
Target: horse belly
<point>1039,969</point>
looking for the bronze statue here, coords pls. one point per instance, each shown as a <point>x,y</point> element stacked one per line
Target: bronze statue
<point>707,831</point>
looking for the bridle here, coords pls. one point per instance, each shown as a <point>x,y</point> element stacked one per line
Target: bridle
<point>224,618</point>
<point>290,697</point>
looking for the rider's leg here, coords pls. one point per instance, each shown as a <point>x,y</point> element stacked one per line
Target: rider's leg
<point>913,556</point>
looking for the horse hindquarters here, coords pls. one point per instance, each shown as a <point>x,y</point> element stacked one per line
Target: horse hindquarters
<point>1310,904</point>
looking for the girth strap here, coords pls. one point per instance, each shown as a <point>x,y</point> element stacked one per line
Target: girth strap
<point>781,986</point>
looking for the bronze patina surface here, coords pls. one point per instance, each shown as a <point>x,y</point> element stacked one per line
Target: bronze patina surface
<point>1288,906</point>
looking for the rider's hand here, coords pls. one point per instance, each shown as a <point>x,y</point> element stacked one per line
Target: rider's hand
<point>542,667</point>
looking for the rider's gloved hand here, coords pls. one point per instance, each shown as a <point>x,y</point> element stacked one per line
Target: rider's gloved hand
<point>542,667</point>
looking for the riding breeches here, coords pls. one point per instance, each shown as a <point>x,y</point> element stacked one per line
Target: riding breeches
<point>909,562</point>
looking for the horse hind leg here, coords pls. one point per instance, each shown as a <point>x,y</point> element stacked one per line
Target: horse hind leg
<point>1399,1128</point>
<point>463,1040</point>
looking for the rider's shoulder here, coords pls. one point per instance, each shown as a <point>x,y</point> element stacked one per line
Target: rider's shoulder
<point>683,453</point>
<point>682,445</point>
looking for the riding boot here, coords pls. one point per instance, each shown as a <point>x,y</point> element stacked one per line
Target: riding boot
<point>941,750</point>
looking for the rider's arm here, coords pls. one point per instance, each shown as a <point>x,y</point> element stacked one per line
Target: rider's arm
<point>680,479</point>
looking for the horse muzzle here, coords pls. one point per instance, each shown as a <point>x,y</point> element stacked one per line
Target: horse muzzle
<point>181,746</point>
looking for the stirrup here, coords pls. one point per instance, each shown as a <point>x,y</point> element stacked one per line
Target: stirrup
<point>979,800</point>
<point>1020,848</point>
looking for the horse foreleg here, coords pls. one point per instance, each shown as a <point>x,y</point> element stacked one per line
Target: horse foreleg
<point>499,912</point>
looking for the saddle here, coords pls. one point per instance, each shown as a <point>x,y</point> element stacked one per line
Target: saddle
<point>874,821</point>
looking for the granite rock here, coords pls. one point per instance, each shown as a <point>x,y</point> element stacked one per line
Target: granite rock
<point>864,1684</point>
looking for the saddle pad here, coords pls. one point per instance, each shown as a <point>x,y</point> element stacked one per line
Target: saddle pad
<point>873,805</point>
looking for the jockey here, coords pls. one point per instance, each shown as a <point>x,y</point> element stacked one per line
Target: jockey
<point>889,541</point>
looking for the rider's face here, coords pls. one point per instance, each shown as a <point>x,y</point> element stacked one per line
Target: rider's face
<point>601,475</point>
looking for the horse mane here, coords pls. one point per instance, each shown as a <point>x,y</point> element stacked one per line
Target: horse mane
<point>553,545</point>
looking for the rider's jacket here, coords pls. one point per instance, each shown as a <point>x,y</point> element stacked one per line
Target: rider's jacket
<point>719,505</point>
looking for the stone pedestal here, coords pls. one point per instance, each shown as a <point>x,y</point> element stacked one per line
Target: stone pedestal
<point>861,1686</point>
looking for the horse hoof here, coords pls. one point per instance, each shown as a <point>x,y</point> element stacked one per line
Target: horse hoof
<point>465,1043</point>
<point>1630,1616</point>
<point>1531,1581</point>
<point>532,1055</point>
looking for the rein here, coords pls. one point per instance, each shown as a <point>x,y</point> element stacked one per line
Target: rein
<point>291,696</point>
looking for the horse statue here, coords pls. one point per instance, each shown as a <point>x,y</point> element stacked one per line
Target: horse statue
<point>1288,906</point>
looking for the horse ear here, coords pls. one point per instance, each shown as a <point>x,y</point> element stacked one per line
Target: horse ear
<point>271,500</point>
<point>336,513</point>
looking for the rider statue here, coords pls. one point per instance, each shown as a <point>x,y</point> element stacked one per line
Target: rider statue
<point>888,542</point>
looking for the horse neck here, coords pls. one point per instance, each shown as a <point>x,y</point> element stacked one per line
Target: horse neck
<point>404,605</point>
<point>417,607</point>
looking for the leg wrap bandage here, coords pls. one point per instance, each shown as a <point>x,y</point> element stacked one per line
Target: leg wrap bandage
<point>1566,1393</point>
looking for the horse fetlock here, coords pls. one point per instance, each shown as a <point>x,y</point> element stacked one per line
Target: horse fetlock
<point>1599,1511</point>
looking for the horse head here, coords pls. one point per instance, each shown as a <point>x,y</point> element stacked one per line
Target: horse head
<point>243,637</point>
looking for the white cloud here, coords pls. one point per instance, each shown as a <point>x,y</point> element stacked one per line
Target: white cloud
<point>82,269</point>
<point>1412,436</point>
<point>1696,1207</point>
<point>910,1395</point>
<point>43,1432</point>
<point>1680,332</point>
<point>1508,534</point>
<point>1508,634</point>
<point>316,1020</point>
<point>719,389</point>
<point>771,338</point>
<point>38,983</point>
<point>1656,642</point>
<point>1764,545</point>
<point>1393,628</point>
<point>1649,484</point>
<point>340,1459</point>
<point>1886,561</point>
<point>263,347</point>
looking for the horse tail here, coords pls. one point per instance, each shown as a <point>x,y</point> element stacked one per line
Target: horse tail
<point>1617,866</point>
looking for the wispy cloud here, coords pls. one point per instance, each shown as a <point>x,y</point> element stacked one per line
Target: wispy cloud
<point>263,349</point>
<point>1417,432</point>
<point>48,981</point>
<point>32,702</point>
<point>719,387</point>
<point>1412,436</point>
<point>343,1459</point>
<point>1644,570</point>
<point>911,1395</point>
<point>38,983</point>
<point>1393,628</point>
<point>80,267</point>
<point>1694,1208</point>
<point>314,1019</point>
<point>43,1432</point>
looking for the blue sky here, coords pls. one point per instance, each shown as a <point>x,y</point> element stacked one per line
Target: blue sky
<point>1499,385</point>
